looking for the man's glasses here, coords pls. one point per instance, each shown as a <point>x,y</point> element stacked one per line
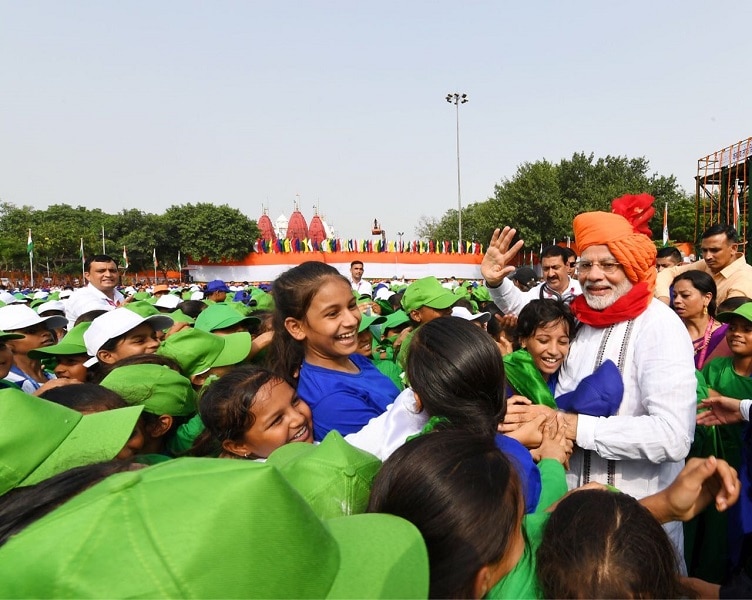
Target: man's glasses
<point>608,267</point>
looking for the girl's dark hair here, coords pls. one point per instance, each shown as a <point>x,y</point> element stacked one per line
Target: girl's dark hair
<point>263,324</point>
<point>731,304</point>
<point>603,544</point>
<point>225,407</point>
<point>538,313</point>
<point>463,495</point>
<point>104,369</point>
<point>456,369</point>
<point>22,506</point>
<point>293,292</point>
<point>85,397</point>
<point>703,283</point>
<point>191,308</point>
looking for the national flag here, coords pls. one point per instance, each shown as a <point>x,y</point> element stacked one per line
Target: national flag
<point>154,257</point>
<point>30,246</point>
<point>180,264</point>
<point>125,258</point>
<point>736,206</point>
<point>81,252</point>
<point>665,224</point>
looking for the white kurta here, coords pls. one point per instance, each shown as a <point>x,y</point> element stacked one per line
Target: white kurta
<point>650,436</point>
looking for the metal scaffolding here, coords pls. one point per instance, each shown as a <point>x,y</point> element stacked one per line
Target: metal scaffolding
<point>722,194</point>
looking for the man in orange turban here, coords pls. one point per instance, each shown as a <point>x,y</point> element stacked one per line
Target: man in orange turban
<point>642,447</point>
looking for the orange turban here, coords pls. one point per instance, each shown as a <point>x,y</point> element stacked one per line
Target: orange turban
<point>624,234</point>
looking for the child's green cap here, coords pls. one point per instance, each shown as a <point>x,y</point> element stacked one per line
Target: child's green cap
<point>157,532</point>
<point>397,318</point>
<point>334,477</point>
<point>180,317</point>
<point>744,311</point>
<point>367,320</point>
<point>143,308</point>
<point>160,389</point>
<point>220,316</point>
<point>72,343</point>
<point>198,351</point>
<point>264,300</point>
<point>39,439</point>
<point>481,294</point>
<point>427,292</point>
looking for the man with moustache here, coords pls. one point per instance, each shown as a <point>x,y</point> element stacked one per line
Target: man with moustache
<point>556,283</point>
<point>100,293</point>
<point>721,260</point>
<point>642,447</point>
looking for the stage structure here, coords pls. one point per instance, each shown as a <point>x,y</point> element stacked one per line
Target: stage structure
<point>722,194</point>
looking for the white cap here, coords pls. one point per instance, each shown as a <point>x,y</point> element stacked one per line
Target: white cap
<point>51,305</point>
<point>65,294</point>
<point>20,316</point>
<point>7,297</point>
<point>115,323</point>
<point>168,301</point>
<point>383,293</point>
<point>40,295</point>
<point>197,296</point>
<point>463,313</point>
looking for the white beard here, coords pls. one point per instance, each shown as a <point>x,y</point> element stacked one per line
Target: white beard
<point>602,302</point>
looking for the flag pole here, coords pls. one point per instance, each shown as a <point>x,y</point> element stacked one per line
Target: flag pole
<point>30,249</point>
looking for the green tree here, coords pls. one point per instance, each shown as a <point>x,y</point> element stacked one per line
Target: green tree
<point>542,197</point>
<point>210,232</point>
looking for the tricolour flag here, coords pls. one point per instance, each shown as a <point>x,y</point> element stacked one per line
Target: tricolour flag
<point>180,264</point>
<point>736,206</point>
<point>154,258</point>
<point>665,224</point>
<point>125,258</point>
<point>30,246</point>
<point>81,252</point>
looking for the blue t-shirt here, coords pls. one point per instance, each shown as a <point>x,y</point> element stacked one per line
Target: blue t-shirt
<point>530,476</point>
<point>344,402</point>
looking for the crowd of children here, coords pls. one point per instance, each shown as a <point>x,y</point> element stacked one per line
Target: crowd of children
<point>369,455</point>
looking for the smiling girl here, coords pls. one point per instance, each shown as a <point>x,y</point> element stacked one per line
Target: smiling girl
<point>315,338</point>
<point>249,413</point>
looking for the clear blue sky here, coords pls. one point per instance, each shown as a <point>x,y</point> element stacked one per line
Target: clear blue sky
<point>147,104</point>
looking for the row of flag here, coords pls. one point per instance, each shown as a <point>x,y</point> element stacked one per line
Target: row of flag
<point>282,246</point>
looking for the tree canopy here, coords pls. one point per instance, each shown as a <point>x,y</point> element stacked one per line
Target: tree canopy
<point>542,198</point>
<point>202,231</point>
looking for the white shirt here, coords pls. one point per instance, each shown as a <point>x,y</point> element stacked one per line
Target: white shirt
<point>382,435</point>
<point>511,300</point>
<point>89,298</point>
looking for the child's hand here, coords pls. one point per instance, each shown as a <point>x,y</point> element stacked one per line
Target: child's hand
<point>530,434</point>
<point>505,346</point>
<point>722,411</point>
<point>520,410</point>
<point>701,482</point>
<point>555,443</point>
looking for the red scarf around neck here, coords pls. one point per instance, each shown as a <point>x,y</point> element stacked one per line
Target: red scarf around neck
<point>629,306</point>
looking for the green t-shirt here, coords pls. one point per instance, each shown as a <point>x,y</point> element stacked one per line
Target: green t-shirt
<point>521,581</point>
